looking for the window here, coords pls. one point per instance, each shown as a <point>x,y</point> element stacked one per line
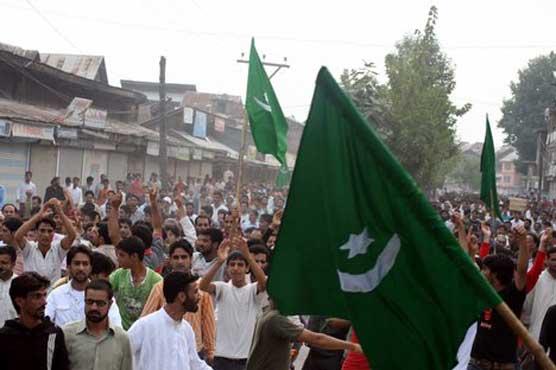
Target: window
<point>507,179</point>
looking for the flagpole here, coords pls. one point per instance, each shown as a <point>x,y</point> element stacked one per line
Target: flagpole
<point>517,327</point>
<point>236,216</point>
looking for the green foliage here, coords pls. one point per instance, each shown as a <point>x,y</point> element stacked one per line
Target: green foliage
<point>465,170</point>
<point>523,113</point>
<point>413,110</point>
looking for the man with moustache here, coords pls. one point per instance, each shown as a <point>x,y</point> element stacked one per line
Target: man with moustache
<point>31,341</point>
<point>65,304</point>
<point>95,342</point>
<point>154,338</point>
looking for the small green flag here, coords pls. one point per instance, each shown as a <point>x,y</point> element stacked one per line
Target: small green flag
<point>360,241</point>
<point>283,177</point>
<point>268,124</point>
<point>488,174</point>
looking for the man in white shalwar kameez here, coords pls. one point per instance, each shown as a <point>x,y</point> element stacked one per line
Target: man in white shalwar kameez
<point>163,339</point>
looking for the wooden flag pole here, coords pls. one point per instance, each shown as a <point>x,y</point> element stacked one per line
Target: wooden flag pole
<point>529,342</point>
<point>236,215</point>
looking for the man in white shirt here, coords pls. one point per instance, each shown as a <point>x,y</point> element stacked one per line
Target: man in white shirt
<point>542,296</point>
<point>27,187</point>
<point>7,263</point>
<point>66,303</point>
<point>76,192</point>
<point>207,245</point>
<point>163,339</point>
<point>237,303</point>
<point>217,205</point>
<point>251,222</point>
<point>45,256</point>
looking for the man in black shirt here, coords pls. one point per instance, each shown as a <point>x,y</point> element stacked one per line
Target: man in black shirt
<point>548,333</point>
<point>31,341</point>
<point>495,343</point>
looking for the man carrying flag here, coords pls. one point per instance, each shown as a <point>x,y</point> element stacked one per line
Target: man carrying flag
<point>386,261</point>
<point>268,124</point>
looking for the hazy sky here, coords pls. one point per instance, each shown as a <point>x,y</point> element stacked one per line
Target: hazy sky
<point>488,41</point>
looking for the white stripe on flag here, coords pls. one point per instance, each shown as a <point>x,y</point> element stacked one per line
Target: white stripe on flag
<point>464,351</point>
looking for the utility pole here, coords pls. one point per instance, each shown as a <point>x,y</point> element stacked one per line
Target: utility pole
<point>242,148</point>
<point>162,147</point>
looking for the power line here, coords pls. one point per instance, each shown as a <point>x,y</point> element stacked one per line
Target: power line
<point>51,25</point>
<point>266,37</point>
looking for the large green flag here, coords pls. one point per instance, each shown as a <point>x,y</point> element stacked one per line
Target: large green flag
<point>268,124</point>
<point>488,174</point>
<point>360,241</point>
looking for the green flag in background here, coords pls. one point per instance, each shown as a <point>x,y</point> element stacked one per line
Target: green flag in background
<point>268,124</point>
<point>360,241</point>
<point>488,174</point>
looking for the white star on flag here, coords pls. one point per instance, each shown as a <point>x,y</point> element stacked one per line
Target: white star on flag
<point>357,244</point>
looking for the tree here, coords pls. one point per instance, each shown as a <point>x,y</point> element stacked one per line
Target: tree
<point>523,113</point>
<point>465,170</point>
<point>413,110</point>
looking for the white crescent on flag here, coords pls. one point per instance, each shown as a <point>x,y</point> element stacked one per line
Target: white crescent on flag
<point>368,281</point>
<point>264,104</point>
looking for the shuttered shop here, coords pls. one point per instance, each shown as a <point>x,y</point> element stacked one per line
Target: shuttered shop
<point>44,160</point>
<point>13,162</point>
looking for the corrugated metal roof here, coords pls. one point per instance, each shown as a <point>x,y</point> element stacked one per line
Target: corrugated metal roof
<point>30,54</point>
<point>87,66</point>
<point>26,112</point>
<point>207,143</point>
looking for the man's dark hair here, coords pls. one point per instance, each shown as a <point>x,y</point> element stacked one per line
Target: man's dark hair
<point>90,179</point>
<point>88,209</point>
<point>208,210</point>
<point>103,232</point>
<point>183,244</point>
<point>223,212</point>
<point>126,221</point>
<point>36,197</point>
<point>266,217</point>
<point>28,173</point>
<point>54,179</point>
<point>26,283</point>
<point>189,204</point>
<point>147,210</point>
<point>174,228</point>
<point>550,250</point>
<point>9,205</point>
<point>89,192</point>
<point>218,192</point>
<point>501,266</point>
<point>79,249</point>
<point>215,235</point>
<point>12,224</point>
<point>8,250</point>
<point>535,238</point>
<point>126,209</point>
<point>176,282</point>
<point>260,249</point>
<point>144,233</point>
<point>235,256</point>
<point>102,264</point>
<point>46,220</point>
<point>132,245</point>
<point>203,217</point>
<point>100,284</point>
<point>130,195</point>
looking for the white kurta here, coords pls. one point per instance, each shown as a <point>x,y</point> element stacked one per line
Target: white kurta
<point>160,342</point>
<point>538,301</point>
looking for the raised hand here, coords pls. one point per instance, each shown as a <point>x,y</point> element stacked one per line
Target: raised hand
<point>224,250</point>
<point>116,201</point>
<point>153,192</point>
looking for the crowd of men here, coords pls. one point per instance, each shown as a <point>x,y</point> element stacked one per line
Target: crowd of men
<point>125,275</point>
